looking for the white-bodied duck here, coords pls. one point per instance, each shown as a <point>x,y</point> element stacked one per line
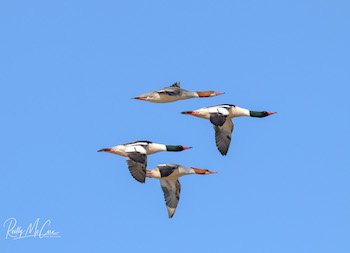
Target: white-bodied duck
<point>175,93</point>
<point>136,155</point>
<point>220,116</point>
<point>169,180</point>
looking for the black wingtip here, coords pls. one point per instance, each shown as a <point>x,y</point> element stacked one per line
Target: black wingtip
<point>176,84</point>
<point>224,153</point>
<point>140,180</point>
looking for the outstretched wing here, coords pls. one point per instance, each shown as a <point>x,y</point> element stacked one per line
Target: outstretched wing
<point>137,162</point>
<point>177,85</point>
<point>171,189</point>
<point>223,136</point>
<point>167,169</point>
<point>217,119</point>
<point>218,115</point>
<point>173,90</point>
<point>223,127</point>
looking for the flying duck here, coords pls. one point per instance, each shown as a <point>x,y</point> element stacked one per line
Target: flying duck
<point>169,181</point>
<point>175,93</point>
<point>220,117</point>
<point>136,155</point>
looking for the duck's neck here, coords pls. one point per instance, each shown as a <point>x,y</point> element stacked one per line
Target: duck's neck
<point>155,147</point>
<point>189,94</point>
<point>258,114</point>
<point>174,148</point>
<point>239,112</point>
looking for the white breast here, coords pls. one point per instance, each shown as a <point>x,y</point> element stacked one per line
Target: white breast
<point>155,147</point>
<point>238,111</point>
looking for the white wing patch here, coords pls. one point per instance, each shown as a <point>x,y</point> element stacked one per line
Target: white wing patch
<point>138,149</point>
<point>220,110</point>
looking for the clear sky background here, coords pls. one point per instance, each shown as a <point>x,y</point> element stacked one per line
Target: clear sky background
<point>68,70</point>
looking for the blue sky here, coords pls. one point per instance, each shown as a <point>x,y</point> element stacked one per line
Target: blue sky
<point>68,71</point>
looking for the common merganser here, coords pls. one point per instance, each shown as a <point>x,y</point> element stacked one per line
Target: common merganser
<point>168,175</point>
<point>175,93</point>
<point>220,116</point>
<point>136,155</point>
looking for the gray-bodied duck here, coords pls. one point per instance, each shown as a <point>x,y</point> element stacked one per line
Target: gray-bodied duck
<point>168,175</point>
<point>174,93</point>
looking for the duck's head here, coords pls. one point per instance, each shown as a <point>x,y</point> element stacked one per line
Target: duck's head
<point>202,171</point>
<point>260,114</point>
<point>176,148</point>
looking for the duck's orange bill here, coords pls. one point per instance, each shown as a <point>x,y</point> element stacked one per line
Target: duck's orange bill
<point>202,171</point>
<point>205,94</point>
